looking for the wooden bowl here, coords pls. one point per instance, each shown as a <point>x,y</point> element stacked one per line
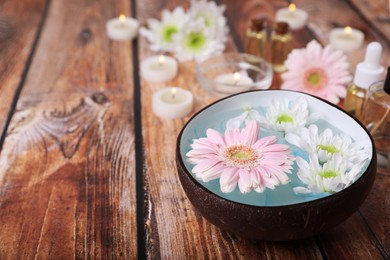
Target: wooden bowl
<point>276,222</point>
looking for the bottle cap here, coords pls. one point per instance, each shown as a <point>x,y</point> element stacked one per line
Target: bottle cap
<point>281,28</point>
<point>370,70</point>
<point>386,86</point>
<point>258,24</point>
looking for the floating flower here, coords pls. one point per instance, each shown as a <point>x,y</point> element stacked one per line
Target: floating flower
<point>322,72</point>
<point>287,117</point>
<point>239,157</point>
<point>326,144</point>
<point>197,41</point>
<point>160,33</point>
<point>212,15</point>
<point>248,115</point>
<point>331,177</point>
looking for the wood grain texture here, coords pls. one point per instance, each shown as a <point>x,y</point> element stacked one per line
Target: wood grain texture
<point>67,178</point>
<point>19,24</point>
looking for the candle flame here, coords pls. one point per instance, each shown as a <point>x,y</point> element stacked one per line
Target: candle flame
<point>292,7</point>
<point>122,17</point>
<point>161,59</point>
<point>173,92</point>
<point>348,30</point>
<point>236,77</point>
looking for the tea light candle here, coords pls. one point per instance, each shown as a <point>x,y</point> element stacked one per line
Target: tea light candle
<point>346,39</point>
<point>122,28</point>
<point>236,78</point>
<point>159,68</point>
<point>296,18</point>
<point>172,102</point>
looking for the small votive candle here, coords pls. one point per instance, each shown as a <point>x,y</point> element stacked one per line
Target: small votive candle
<point>172,102</point>
<point>346,39</point>
<point>159,68</point>
<point>296,18</point>
<point>237,79</point>
<point>122,28</point>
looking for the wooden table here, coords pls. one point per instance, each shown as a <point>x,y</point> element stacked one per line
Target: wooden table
<point>88,171</point>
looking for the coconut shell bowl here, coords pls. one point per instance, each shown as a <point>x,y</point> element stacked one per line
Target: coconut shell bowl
<point>275,165</point>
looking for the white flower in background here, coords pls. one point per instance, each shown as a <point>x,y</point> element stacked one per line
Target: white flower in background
<point>326,144</point>
<point>212,15</point>
<point>160,33</point>
<point>287,117</point>
<point>197,41</point>
<point>330,177</point>
<point>243,119</point>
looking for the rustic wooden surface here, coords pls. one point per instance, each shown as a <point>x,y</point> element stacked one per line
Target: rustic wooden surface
<point>88,171</point>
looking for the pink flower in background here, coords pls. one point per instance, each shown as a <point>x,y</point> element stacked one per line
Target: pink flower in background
<point>240,157</point>
<point>322,72</point>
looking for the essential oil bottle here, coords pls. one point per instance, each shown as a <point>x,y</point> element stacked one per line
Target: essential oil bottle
<point>280,46</point>
<point>256,37</point>
<point>366,73</point>
<point>376,114</point>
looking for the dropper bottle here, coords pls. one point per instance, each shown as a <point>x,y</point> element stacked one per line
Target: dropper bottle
<point>376,114</point>
<point>256,37</point>
<point>280,46</point>
<point>366,73</point>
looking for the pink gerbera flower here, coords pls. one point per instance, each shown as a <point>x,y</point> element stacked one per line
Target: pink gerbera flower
<point>240,157</point>
<point>322,72</point>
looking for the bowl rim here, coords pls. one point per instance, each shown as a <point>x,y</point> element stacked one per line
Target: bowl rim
<point>268,72</point>
<point>287,206</point>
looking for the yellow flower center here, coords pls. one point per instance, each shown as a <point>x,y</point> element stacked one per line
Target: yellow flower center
<point>315,78</point>
<point>329,174</point>
<point>329,148</point>
<point>283,118</point>
<point>240,156</point>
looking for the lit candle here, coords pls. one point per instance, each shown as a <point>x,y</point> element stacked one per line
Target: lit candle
<point>346,39</point>
<point>122,28</point>
<point>228,83</point>
<point>159,68</point>
<point>295,17</point>
<point>172,102</point>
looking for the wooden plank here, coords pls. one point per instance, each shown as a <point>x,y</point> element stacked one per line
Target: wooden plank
<point>67,175</point>
<point>174,229</point>
<point>19,24</point>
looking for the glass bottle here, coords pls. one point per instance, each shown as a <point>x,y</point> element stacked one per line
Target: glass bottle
<point>376,114</point>
<point>280,46</point>
<point>256,37</point>
<point>366,73</point>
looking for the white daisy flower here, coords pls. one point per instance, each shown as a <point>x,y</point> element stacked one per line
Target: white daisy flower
<point>243,119</point>
<point>212,15</point>
<point>288,117</point>
<point>326,145</point>
<point>330,177</point>
<point>197,41</point>
<point>160,33</point>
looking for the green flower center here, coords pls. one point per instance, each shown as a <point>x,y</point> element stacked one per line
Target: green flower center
<point>329,148</point>
<point>329,174</point>
<point>168,31</point>
<point>195,41</point>
<point>283,118</point>
<point>315,78</point>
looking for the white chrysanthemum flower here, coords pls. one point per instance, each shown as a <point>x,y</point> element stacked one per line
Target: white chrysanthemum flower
<point>160,33</point>
<point>243,119</point>
<point>288,117</point>
<point>331,177</point>
<point>326,145</point>
<point>197,41</point>
<point>212,15</point>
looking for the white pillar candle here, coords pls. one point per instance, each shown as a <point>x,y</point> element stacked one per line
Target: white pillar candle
<point>228,83</point>
<point>296,18</point>
<point>346,39</point>
<point>172,102</point>
<point>159,68</point>
<point>122,28</point>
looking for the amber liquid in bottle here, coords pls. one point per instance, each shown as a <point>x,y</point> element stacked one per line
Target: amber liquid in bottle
<point>376,117</point>
<point>354,101</point>
<point>281,46</point>
<point>256,38</point>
